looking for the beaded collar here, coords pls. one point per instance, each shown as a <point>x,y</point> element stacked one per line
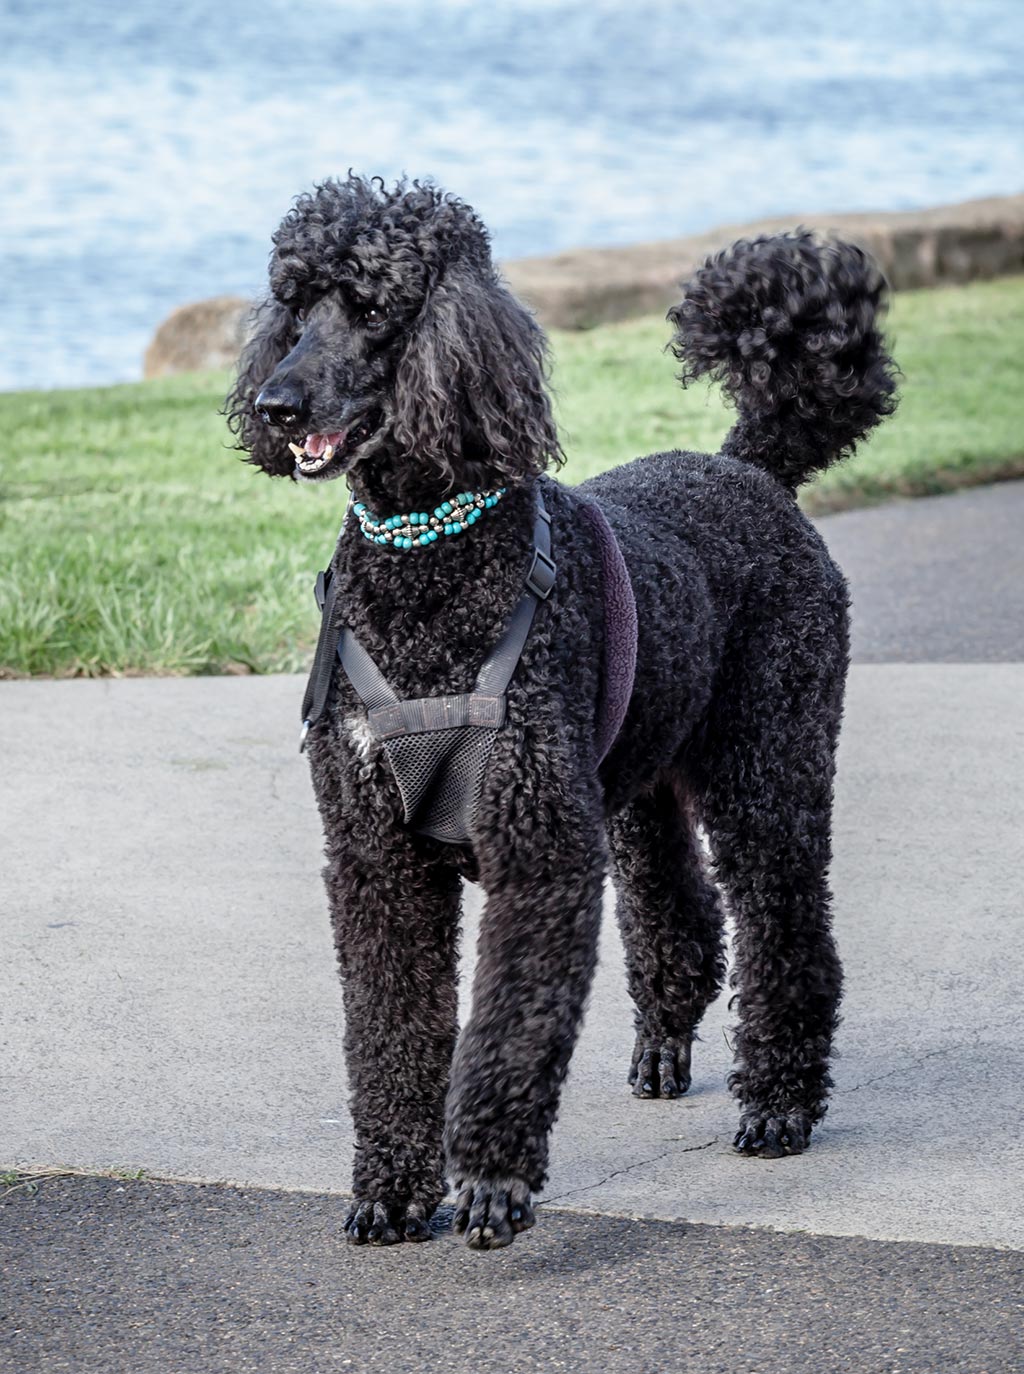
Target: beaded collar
<point>418,529</point>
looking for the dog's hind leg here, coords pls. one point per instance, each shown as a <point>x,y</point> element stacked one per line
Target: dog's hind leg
<point>670,918</point>
<point>395,917</point>
<point>767,806</point>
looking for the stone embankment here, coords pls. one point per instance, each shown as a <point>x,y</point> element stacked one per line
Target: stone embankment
<point>588,286</point>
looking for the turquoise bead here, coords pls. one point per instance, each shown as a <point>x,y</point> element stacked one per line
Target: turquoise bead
<point>418,528</point>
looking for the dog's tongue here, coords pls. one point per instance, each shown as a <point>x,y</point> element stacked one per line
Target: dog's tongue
<point>316,443</point>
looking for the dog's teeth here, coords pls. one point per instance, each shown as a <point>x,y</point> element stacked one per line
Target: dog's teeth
<point>300,453</point>
<point>328,453</point>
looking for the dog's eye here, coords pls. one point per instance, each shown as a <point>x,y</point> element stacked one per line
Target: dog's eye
<point>375,317</point>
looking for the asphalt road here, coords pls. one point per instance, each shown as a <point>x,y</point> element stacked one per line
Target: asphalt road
<point>938,580</point>
<point>148,1278</point>
<point>169,1004</point>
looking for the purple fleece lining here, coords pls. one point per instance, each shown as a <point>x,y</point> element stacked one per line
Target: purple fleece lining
<point>619,633</point>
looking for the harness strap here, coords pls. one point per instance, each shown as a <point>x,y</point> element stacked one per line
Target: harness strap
<point>484,705</point>
<point>319,683</point>
<point>364,675</point>
<point>388,714</point>
<point>496,673</point>
<point>620,632</point>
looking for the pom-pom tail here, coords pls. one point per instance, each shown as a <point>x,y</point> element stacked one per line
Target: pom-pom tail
<point>788,324</point>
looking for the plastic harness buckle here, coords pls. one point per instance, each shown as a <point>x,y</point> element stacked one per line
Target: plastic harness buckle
<point>541,578</point>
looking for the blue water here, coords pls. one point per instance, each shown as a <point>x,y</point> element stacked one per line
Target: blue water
<point>148,149</point>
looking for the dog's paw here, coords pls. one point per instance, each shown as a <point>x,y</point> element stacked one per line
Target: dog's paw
<point>490,1213</point>
<point>660,1068</point>
<point>386,1223</point>
<point>771,1137</point>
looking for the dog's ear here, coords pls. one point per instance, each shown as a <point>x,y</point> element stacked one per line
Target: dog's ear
<point>470,395</point>
<point>274,333</point>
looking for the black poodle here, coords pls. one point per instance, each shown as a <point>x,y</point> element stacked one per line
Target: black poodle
<point>391,351</point>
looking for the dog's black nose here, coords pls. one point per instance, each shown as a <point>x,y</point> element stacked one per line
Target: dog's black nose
<point>283,403</point>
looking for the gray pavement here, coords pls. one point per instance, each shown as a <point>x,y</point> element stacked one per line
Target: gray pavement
<point>143,1278</point>
<point>169,1003</point>
<point>939,580</point>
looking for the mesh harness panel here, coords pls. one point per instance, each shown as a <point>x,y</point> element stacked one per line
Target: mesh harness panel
<point>437,747</point>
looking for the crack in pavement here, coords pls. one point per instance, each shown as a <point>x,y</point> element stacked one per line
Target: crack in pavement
<point>639,1164</point>
<point>903,1068</point>
<point>921,1059</point>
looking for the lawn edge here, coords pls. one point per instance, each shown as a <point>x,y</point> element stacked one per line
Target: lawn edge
<point>881,489</point>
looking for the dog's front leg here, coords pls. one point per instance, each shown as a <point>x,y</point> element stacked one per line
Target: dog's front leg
<point>395,916</point>
<point>537,949</point>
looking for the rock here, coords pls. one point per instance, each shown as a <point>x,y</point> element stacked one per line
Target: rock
<point>204,335</point>
<point>588,286</point>
<point>951,243</point>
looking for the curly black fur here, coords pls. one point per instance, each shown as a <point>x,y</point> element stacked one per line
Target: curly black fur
<point>457,373</point>
<point>788,325</point>
<point>733,722</point>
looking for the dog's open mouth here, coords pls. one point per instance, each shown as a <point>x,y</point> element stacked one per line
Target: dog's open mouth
<point>335,448</point>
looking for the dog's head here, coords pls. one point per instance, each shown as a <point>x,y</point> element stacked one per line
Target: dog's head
<point>390,348</point>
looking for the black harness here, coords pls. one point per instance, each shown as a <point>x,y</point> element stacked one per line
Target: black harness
<point>438,746</point>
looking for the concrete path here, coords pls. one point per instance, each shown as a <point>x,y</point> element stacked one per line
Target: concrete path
<point>169,999</point>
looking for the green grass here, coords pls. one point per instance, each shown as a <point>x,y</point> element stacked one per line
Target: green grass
<point>26,1182</point>
<point>960,420</point>
<point>134,541</point>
